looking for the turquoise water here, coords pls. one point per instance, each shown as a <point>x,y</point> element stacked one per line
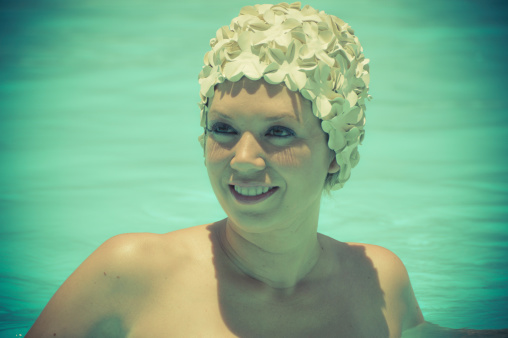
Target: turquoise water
<point>99,126</point>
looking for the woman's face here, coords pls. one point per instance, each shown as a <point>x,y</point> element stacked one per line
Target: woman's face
<point>266,155</point>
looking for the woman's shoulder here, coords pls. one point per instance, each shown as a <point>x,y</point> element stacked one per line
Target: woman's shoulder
<point>395,283</point>
<point>362,255</point>
<point>377,262</point>
<point>386,262</point>
<point>113,281</point>
<point>152,250</point>
<point>148,243</point>
<point>366,256</point>
<point>374,267</point>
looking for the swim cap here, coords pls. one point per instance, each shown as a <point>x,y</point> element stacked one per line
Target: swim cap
<point>309,51</point>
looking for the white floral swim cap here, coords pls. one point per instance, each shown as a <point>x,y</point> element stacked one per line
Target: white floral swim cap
<point>309,51</point>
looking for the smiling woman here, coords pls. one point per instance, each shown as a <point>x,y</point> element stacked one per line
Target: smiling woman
<point>264,136</point>
<point>283,94</point>
<point>282,107</point>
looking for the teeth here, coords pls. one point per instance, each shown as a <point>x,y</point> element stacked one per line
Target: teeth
<point>251,191</point>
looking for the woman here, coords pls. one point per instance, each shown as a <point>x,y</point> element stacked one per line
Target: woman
<point>283,93</point>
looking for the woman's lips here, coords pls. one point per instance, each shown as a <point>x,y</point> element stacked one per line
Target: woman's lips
<point>251,199</point>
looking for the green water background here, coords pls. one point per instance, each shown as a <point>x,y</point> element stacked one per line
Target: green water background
<point>99,126</point>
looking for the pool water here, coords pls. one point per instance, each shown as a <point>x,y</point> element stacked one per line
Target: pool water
<point>99,124</point>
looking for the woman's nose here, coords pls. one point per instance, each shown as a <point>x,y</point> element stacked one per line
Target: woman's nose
<point>248,154</point>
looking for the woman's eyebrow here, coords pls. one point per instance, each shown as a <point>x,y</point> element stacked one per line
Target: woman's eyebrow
<point>281,117</point>
<point>215,114</point>
<point>277,117</point>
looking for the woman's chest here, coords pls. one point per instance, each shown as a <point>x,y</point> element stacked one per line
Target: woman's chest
<point>217,312</point>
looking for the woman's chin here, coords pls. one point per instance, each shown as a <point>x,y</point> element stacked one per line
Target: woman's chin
<point>253,223</point>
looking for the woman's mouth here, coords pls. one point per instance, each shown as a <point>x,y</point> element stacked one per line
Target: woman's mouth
<point>249,195</point>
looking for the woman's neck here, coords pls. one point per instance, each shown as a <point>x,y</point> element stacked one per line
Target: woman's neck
<point>279,258</point>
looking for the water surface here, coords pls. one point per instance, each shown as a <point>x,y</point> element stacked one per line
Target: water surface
<point>99,126</point>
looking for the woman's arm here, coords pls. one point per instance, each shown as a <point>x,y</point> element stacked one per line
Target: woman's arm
<point>413,316</point>
<point>401,304</point>
<point>94,298</point>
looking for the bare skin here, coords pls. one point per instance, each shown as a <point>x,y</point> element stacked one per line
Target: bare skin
<point>182,284</point>
<point>264,271</point>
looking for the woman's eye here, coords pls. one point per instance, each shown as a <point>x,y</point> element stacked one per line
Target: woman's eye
<point>222,128</point>
<point>279,131</point>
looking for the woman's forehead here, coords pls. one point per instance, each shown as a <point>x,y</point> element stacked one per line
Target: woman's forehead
<point>258,97</point>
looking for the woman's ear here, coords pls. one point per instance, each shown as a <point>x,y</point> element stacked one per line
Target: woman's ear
<point>334,166</point>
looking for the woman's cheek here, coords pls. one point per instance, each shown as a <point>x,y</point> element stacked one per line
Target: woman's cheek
<point>215,152</point>
<point>287,157</point>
